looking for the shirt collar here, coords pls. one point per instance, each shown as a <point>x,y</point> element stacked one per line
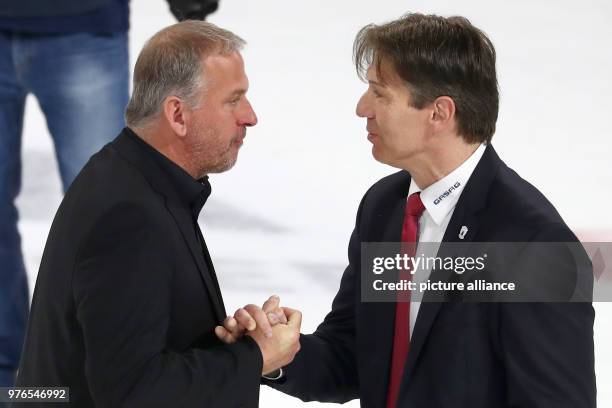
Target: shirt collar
<point>191,192</point>
<point>441,197</point>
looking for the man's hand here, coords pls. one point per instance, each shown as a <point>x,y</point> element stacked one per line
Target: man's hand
<point>275,329</point>
<point>280,349</point>
<point>250,318</point>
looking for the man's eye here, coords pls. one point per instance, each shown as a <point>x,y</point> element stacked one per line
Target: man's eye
<point>377,94</point>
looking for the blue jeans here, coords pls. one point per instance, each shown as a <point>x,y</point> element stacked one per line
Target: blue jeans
<point>81,82</point>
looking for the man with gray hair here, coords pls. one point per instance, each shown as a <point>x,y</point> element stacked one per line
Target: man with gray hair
<point>126,299</point>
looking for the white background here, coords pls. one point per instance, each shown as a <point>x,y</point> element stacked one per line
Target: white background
<point>279,222</point>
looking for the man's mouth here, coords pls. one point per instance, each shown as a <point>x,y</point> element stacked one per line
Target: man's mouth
<point>239,139</point>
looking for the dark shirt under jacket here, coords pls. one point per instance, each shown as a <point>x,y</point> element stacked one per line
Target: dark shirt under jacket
<point>126,298</point>
<point>193,194</point>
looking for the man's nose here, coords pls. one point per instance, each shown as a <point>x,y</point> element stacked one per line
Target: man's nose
<point>363,107</point>
<point>248,116</point>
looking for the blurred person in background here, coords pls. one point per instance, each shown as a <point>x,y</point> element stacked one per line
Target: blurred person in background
<point>72,55</point>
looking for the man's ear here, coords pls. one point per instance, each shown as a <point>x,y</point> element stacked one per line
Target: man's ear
<point>174,113</point>
<point>443,113</point>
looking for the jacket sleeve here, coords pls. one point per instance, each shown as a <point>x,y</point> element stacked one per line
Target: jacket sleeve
<point>547,346</point>
<point>122,282</point>
<point>325,368</point>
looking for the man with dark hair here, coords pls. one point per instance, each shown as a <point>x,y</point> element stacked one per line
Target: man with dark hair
<point>431,107</point>
<point>127,299</point>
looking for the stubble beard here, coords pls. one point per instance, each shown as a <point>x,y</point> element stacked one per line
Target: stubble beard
<point>207,154</point>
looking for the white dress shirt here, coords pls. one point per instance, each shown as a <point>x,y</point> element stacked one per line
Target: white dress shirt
<point>439,200</point>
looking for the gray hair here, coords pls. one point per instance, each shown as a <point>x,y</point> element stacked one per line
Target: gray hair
<point>170,64</point>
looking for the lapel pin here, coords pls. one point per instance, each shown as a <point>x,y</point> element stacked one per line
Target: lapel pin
<point>463,231</point>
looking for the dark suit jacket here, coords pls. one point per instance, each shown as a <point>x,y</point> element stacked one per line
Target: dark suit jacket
<point>472,355</point>
<point>126,299</point>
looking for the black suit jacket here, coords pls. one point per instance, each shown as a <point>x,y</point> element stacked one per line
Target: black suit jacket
<point>126,298</point>
<point>472,355</point>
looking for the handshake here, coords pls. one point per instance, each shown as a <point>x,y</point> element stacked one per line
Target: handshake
<point>275,329</point>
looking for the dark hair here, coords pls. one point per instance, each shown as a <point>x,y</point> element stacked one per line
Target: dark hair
<point>437,56</point>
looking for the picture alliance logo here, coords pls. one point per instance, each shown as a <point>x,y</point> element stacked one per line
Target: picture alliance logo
<point>447,193</point>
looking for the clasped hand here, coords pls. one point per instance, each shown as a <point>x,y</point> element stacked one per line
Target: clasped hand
<point>275,329</point>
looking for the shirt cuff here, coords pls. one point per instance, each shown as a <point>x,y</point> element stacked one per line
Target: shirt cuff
<point>274,375</point>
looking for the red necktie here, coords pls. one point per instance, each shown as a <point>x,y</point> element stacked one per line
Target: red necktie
<point>401,336</point>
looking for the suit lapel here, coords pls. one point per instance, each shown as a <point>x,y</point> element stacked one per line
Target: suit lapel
<point>471,203</point>
<point>220,306</point>
<point>134,154</point>
<point>432,302</point>
<point>201,257</point>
